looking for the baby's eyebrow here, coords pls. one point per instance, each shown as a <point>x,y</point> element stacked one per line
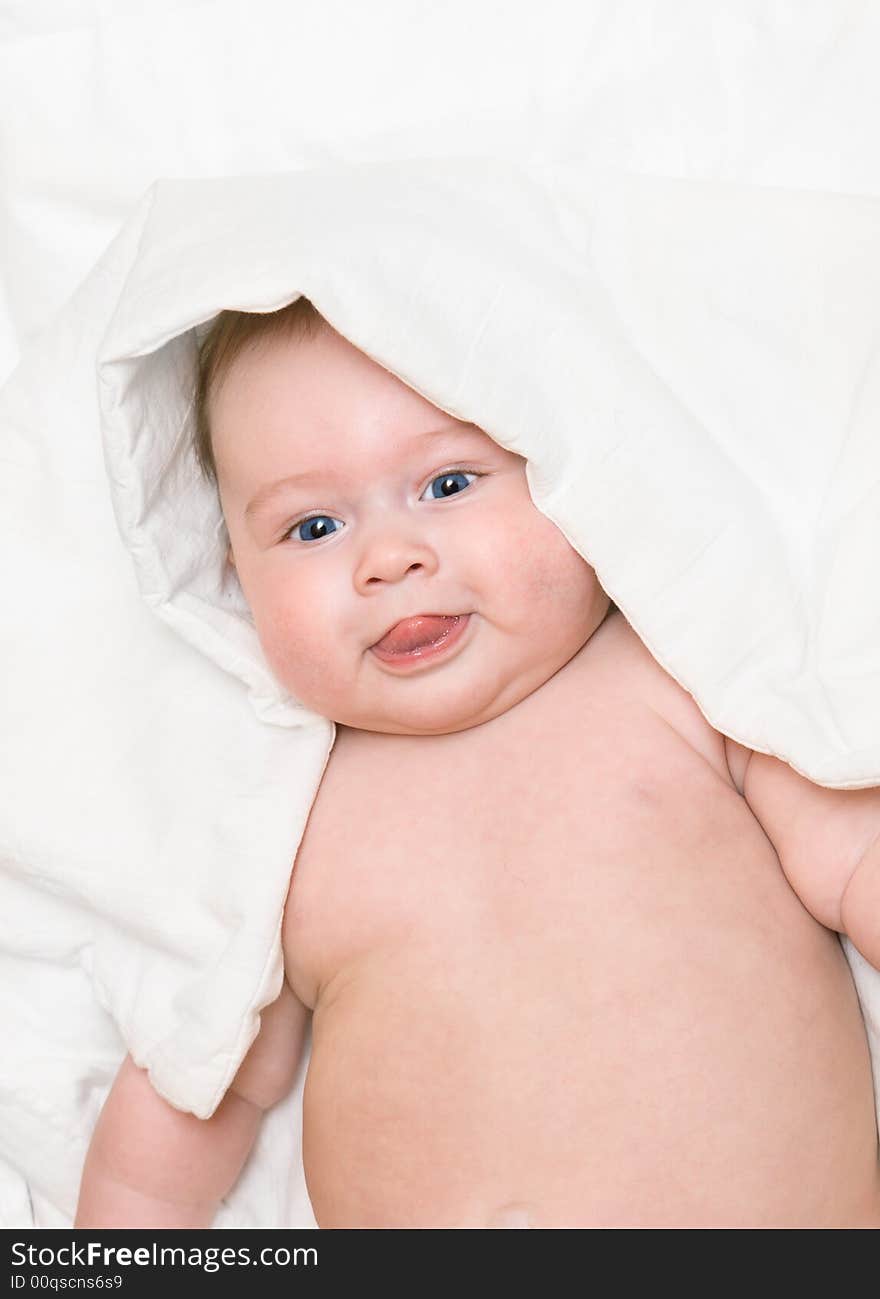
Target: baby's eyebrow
<point>267,494</point>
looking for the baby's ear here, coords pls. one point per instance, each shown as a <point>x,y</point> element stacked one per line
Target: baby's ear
<point>230,558</point>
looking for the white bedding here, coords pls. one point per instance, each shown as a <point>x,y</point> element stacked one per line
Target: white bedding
<point>675,324</point>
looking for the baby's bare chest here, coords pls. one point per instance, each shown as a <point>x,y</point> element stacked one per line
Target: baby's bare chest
<point>538,832</point>
<point>560,944</point>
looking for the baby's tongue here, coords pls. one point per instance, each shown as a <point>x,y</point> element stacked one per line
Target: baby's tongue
<point>415,632</point>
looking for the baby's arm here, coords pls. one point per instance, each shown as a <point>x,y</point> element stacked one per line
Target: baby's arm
<point>827,841</point>
<point>150,1165</point>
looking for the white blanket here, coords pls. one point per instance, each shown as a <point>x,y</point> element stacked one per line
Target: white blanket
<point>689,366</point>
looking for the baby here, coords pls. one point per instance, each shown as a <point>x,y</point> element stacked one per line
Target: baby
<point>571,955</point>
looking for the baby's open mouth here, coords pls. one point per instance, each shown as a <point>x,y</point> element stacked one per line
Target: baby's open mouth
<point>421,634</point>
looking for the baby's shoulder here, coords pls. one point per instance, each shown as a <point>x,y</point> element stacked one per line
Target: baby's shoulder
<point>620,652</point>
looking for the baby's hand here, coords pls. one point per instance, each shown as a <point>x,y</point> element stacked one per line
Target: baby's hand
<point>827,841</point>
<point>152,1166</point>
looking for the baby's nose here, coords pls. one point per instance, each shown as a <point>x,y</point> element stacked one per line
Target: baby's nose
<point>390,559</point>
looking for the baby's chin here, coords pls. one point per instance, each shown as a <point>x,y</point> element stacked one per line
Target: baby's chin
<point>408,726</point>
<point>428,713</point>
<point>470,690</point>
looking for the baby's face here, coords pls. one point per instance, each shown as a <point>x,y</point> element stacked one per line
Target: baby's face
<point>352,504</point>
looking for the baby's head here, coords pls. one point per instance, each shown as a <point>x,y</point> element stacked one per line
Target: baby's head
<point>353,504</point>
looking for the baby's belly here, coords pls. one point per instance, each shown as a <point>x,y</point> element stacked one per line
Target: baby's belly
<point>679,1055</point>
<point>559,975</point>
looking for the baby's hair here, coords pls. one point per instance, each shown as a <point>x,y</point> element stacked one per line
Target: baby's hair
<point>230,334</point>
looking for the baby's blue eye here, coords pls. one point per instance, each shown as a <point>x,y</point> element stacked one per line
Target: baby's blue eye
<point>319,526</point>
<point>448,485</point>
<point>316,528</point>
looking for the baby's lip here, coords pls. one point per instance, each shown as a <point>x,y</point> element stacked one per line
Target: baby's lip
<point>412,620</point>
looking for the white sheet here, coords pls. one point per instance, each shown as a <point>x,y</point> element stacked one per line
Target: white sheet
<point>99,98</point>
<point>672,281</point>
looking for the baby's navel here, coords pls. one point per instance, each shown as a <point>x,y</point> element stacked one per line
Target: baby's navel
<point>510,1216</point>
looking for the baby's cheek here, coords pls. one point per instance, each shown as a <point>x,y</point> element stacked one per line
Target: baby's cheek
<point>313,658</point>
<point>295,651</point>
<point>551,570</point>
